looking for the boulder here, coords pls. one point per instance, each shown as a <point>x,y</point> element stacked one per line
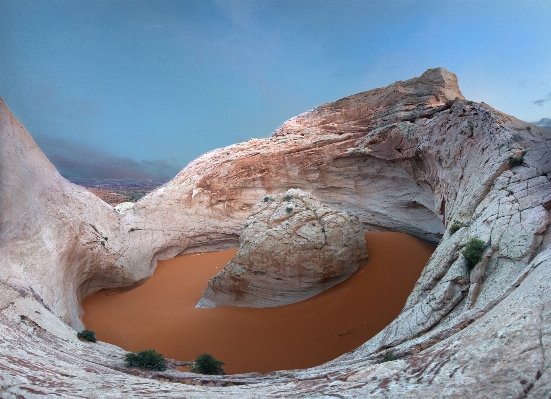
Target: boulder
<point>292,247</point>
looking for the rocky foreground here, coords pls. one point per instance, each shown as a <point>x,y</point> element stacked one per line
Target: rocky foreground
<point>414,157</point>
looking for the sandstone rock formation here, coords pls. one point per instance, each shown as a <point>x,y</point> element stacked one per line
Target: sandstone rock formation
<point>292,247</point>
<point>414,157</point>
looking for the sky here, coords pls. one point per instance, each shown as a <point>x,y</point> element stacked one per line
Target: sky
<point>138,89</point>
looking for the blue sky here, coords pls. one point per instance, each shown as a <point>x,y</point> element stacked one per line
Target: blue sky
<point>113,89</point>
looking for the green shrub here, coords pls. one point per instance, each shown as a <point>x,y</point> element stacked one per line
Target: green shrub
<point>473,252</point>
<point>88,335</point>
<point>289,209</point>
<point>454,227</point>
<point>147,359</point>
<point>288,197</point>
<point>516,161</point>
<point>266,199</point>
<point>388,357</point>
<point>528,128</point>
<point>207,364</point>
<point>102,243</point>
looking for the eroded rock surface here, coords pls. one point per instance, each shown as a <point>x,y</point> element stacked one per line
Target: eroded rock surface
<point>292,247</point>
<point>414,157</point>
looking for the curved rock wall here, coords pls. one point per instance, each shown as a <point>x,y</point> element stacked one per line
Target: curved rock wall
<point>412,157</point>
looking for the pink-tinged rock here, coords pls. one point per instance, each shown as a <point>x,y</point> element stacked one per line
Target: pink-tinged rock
<point>413,157</point>
<point>292,247</point>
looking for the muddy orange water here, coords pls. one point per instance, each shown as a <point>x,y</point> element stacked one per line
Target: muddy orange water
<point>161,313</point>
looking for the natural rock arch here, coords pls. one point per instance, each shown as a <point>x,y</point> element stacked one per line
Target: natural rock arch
<point>412,157</point>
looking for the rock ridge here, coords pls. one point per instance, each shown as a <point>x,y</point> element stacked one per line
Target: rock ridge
<point>400,162</point>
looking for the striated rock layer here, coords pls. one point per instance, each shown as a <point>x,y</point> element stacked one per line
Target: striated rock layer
<point>414,157</point>
<point>291,249</point>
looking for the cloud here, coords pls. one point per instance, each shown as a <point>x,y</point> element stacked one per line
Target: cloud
<point>544,122</point>
<point>542,101</point>
<point>74,160</point>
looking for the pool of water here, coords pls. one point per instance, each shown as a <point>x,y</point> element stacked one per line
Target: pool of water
<point>160,314</point>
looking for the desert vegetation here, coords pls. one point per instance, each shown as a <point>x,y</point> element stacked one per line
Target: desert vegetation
<point>87,335</point>
<point>454,227</point>
<point>207,364</point>
<point>515,161</point>
<point>147,359</point>
<point>473,252</point>
<point>388,357</point>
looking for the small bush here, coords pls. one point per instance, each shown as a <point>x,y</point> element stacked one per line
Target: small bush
<point>388,357</point>
<point>207,364</point>
<point>323,229</point>
<point>266,199</point>
<point>516,161</point>
<point>528,128</point>
<point>102,243</point>
<point>469,102</point>
<point>473,252</point>
<point>88,335</point>
<point>288,197</point>
<point>147,359</point>
<point>454,228</point>
<point>289,209</point>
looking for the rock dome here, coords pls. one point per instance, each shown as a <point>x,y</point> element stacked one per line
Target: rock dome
<point>292,247</point>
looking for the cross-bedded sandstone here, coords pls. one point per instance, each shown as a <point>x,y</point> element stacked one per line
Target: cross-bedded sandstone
<point>292,247</point>
<point>414,157</point>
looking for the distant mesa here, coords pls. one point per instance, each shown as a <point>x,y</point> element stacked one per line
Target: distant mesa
<point>111,198</point>
<point>117,191</point>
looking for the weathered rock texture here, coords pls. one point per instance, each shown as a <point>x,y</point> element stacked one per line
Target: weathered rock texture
<point>412,157</point>
<point>291,248</point>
